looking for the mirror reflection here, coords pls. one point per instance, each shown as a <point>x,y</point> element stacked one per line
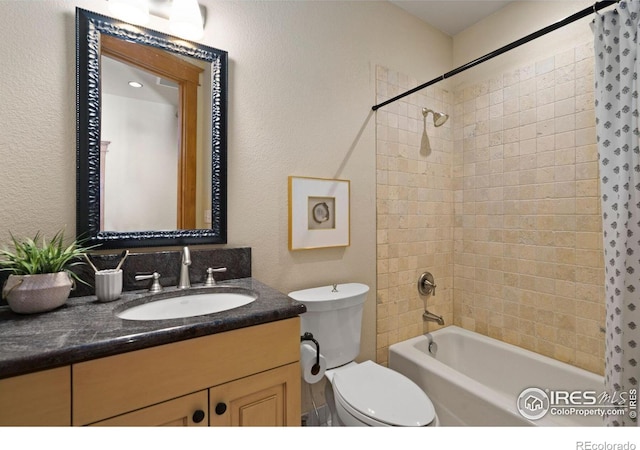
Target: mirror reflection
<point>139,149</point>
<point>153,163</point>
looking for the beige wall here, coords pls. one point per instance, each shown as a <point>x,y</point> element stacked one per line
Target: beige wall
<point>514,21</point>
<point>302,83</point>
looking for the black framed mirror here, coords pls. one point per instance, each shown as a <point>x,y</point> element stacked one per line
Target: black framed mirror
<point>200,149</point>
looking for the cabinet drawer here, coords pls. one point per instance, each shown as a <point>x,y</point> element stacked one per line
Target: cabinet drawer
<point>114,385</point>
<point>179,412</point>
<point>37,399</point>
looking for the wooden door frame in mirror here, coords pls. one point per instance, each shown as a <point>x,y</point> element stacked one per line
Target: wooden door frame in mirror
<point>90,27</point>
<point>187,78</point>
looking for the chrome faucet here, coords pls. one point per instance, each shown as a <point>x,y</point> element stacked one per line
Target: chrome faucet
<point>184,282</point>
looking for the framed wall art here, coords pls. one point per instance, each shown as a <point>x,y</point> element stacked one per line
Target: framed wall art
<point>318,213</point>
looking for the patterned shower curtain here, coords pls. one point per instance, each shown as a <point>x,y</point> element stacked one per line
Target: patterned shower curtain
<point>616,77</point>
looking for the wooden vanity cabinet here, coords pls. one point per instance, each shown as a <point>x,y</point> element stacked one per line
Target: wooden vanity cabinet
<point>254,372</point>
<point>257,400</point>
<point>37,399</point>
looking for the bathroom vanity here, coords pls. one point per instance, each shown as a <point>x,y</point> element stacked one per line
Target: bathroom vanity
<point>82,365</point>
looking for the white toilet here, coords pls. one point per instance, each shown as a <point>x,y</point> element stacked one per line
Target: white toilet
<point>359,394</point>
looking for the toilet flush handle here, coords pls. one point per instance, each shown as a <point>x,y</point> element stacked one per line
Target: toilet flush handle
<point>309,337</point>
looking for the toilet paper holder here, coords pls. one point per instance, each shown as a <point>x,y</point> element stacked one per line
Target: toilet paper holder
<point>309,337</point>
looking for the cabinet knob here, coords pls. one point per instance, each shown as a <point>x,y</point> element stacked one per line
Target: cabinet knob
<point>198,416</point>
<point>221,408</point>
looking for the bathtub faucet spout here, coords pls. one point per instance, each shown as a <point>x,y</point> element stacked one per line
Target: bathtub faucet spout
<point>430,317</point>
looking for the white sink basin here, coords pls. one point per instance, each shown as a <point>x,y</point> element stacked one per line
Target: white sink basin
<point>189,305</point>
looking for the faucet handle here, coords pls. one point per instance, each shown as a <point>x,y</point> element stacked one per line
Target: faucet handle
<point>431,285</point>
<point>210,281</point>
<point>426,284</point>
<point>155,285</point>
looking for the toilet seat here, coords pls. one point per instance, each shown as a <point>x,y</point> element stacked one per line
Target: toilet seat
<point>377,395</point>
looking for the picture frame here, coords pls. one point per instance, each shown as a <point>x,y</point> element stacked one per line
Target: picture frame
<point>319,213</point>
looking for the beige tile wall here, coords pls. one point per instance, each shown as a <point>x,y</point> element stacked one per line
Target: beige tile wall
<point>414,209</point>
<point>505,212</point>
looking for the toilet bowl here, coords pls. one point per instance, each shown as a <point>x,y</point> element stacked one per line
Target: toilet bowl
<point>358,394</point>
<point>368,394</point>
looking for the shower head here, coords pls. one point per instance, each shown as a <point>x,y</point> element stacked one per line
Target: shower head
<point>438,118</point>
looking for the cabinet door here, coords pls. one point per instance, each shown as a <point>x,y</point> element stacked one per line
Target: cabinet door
<point>108,387</point>
<point>188,411</point>
<point>270,398</point>
<point>37,399</point>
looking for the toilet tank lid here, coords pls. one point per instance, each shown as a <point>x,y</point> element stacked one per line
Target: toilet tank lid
<point>346,294</point>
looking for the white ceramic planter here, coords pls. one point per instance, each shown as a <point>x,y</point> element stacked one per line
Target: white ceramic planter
<point>29,294</point>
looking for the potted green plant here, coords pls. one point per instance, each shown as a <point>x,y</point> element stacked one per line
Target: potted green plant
<point>40,272</point>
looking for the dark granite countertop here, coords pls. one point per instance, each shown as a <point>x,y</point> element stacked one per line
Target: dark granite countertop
<point>85,329</point>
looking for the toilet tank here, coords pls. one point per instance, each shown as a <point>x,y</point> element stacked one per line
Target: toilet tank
<point>334,319</point>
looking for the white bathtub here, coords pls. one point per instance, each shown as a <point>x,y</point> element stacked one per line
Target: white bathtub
<point>475,380</point>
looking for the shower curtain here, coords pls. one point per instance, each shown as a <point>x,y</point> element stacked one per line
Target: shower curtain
<point>616,92</point>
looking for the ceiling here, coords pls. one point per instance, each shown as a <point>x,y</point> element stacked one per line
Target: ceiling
<point>450,16</point>
<point>115,77</point>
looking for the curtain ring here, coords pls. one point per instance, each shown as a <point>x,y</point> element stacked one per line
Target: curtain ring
<point>595,11</point>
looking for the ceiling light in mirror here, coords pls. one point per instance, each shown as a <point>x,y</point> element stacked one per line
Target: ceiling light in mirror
<point>133,11</point>
<point>135,84</point>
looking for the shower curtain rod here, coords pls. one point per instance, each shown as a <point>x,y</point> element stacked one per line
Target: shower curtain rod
<point>579,15</point>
